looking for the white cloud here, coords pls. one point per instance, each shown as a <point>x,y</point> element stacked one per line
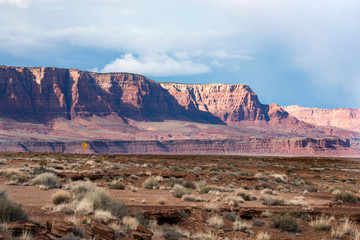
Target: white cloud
<point>18,3</point>
<point>25,3</point>
<point>155,65</point>
<point>216,63</point>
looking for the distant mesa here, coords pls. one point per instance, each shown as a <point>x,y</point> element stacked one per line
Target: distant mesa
<point>42,107</point>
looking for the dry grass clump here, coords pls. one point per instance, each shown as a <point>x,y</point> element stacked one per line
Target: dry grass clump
<point>270,200</point>
<point>102,215</point>
<point>152,182</point>
<point>130,223</point>
<point>233,201</point>
<point>78,189</point>
<point>321,223</point>
<point>25,235</point>
<point>337,231</point>
<point>242,193</point>
<point>61,196</point>
<point>15,175</point>
<point>9,210</point>
<point>47,179</point>
<point>215,221</point>
<point>243,226</point>
<point>179,191</point>
<point>280,178</point>
<point>192,198</point>
<point>205,236</point>
<point>262,236</point>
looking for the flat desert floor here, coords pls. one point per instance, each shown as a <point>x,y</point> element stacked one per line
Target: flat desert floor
<point>81,196</point>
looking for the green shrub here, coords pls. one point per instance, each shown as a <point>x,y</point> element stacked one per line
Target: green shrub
<point>102,201</point>
<point>116,185</point>
<point>344,196</point>
<point>285,222</point>
<point>179,191</point>
<point>9,210</point>
<point>172,181</point>
<point>171,232</point>
<point>47,179</point>
<point>152,182</point>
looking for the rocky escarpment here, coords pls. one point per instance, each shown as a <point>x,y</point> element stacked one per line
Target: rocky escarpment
<point>344,118</point>
<point>42,94</point>
<point>270,146</point>
<point>229,102</point>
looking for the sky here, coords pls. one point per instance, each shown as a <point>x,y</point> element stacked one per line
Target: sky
<point>290,52</point>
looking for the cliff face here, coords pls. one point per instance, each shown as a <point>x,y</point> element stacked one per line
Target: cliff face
<point>230,103</point>
<point>344,118</point>
<point>51,109</point>
<point>42,94</point>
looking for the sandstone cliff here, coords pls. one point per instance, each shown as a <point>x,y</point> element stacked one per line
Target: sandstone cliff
<point>344,118</point>
<point>229,102</point>
<point>42,94</point>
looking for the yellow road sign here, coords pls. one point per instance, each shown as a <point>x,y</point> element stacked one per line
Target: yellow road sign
<point>84,144</point>
<point>84,148</point>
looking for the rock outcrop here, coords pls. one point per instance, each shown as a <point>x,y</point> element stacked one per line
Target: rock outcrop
<point>229,102</point>
<point>344,118</point>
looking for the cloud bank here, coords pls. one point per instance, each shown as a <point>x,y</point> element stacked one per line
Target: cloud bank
<point>155,65</point>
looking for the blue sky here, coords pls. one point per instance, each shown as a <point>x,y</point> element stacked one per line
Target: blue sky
<point>290,52</point>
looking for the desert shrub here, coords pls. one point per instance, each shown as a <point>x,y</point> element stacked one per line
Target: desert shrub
<point>244,195</point>
<point>47,179</point>
<point>15,175</point>
<point>78,189</point>
<point>243,226</point>
<point>140,217</point>
<point>285,222</point>
<point>215,221</point>
<point>270,200</point>
<point>321,223</point>
<point>262,186</point>
<point>311,188</point>
<point>152,182</point>
<point>61,196</point>
<point>187,184</point>
<point>207,189</point>
<point>179,191</point>
<point>258,223</point>
<point>280,178</point>
<point>231,216</point>
<point>232,201</point>
<point>116,185</point>
<point>344,196</point>
<point>262,236</point>
<point>190,198</point>
<point>170,232</point>
<point>9,210</point>
<point>100,200</point>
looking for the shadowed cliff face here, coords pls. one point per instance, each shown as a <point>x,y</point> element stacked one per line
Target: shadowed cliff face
<point>42,94</point>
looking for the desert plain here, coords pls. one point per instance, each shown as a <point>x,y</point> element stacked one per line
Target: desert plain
<point>86,196</point>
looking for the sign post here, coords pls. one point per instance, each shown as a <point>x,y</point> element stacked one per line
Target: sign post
<point>84,144</point>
